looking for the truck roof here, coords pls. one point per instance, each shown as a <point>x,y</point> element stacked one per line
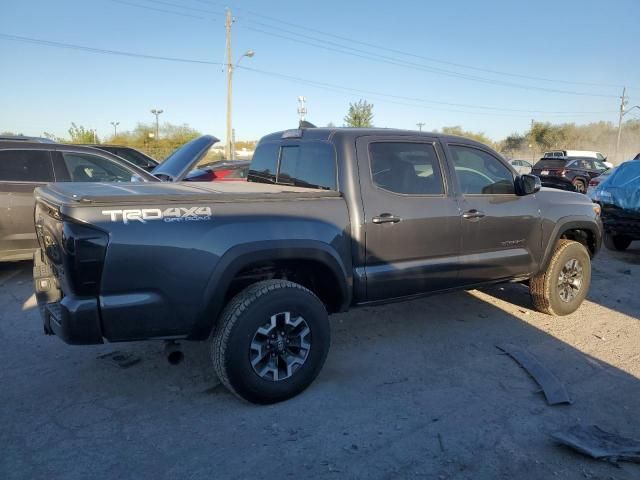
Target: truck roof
<point>330,133</point>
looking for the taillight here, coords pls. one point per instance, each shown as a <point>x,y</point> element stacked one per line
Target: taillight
<point>84,250</point>
<point>593,183</point>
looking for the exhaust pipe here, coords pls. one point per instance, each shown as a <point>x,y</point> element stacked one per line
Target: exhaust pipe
<point>173,352</point>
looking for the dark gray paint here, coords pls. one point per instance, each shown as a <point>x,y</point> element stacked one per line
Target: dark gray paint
<point>169,279</point>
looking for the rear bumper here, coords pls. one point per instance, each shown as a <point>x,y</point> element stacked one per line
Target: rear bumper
<point>75,320</point>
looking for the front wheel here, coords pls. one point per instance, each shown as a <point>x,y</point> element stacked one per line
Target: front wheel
<point>562,287</point>
<point>616,242</point>
<point>271,341</point>
<point>580,186</point>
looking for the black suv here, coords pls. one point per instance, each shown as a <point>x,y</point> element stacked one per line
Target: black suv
<point>26,165</point>
<point>568,173</point>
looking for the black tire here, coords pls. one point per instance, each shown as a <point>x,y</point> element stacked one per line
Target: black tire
<point>546,287</point>
<point>236,330</point>
<point>616,242</point>
<point>581,186</point>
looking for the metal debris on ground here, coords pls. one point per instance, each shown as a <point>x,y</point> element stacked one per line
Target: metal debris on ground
<point>599,444</point>
<point>553,389</point>
<point>121,359</point>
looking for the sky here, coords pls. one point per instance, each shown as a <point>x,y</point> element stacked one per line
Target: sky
<point>491,66</point>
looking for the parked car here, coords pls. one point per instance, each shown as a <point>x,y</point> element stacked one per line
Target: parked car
<point>27,165</point>
<point>637,157</point>
<point>225,171</point>
<point>619,197</point>
<point>575,153</point>
<point>130,154</point>
<point>521,166</point>
<point>568,173</point>
<point>328,219</point>
<point>595,181</point>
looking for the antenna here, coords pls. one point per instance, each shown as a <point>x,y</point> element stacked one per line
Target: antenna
<point>302,108</point>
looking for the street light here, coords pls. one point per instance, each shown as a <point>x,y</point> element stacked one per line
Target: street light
<point>115,128</point>
<point>230,68</point>
<point>157,114</point>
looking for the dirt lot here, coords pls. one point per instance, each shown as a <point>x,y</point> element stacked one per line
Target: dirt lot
<point>411,390</point>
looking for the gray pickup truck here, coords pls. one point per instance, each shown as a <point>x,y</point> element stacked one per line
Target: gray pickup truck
<point>328,219</point>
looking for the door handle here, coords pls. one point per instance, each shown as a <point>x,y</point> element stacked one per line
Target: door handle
<point>386,218</point>
<point>473,214</point>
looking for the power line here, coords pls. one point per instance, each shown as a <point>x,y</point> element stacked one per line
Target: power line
<point>374,57</point>
<point>327,86</point>
<point>71,46</point>
<point>395,98</point>
<point>306,28</point>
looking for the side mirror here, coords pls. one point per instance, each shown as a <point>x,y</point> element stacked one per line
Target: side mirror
<point>528,184</point>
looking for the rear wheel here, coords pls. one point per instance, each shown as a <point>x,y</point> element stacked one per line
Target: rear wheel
<point>616,242</point>
<point>581,186</point>
<point>562,287</point>
<point>271,341</point>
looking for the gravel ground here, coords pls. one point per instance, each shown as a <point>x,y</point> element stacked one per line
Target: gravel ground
<point>410,390</point>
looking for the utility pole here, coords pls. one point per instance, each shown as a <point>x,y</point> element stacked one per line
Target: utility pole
<point>229,149</point>
<point>157,114</point>
<point>420,125</point>
<point>227,25</point>
<point>115,128</point>
<point>623,103</point>
<point>302,109</point>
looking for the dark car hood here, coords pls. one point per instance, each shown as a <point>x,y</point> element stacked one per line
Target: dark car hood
<point>176,166</point>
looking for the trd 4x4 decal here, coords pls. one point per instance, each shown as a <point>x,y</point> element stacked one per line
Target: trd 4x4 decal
<point>173,214</point>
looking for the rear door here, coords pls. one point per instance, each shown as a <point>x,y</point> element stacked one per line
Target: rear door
<point>21,171</point>
<point>412,220</point>
<point>501,231</point>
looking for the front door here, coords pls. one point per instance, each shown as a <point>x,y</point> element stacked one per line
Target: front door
<point>21,171</point>
<point>412,220</point>
<point>501,231</point>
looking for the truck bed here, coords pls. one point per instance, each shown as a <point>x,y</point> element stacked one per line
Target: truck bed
<point>95,194</point>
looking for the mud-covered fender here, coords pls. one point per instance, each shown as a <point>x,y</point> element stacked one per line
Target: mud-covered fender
<point>571,223</point>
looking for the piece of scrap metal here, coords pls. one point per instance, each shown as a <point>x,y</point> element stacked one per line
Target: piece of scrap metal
<point>553,389</point>
<point>121,359</point>
<point>599,444</point>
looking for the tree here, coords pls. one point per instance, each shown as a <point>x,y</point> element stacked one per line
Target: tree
<point>478,136</point>
<point>79,134</point>
<point>360,114</point>
<point>513,143</point>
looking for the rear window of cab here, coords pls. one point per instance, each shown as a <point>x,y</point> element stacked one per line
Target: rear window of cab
<point>300,164</point>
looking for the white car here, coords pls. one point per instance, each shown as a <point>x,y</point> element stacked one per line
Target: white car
<point>521,166</point>
<point>575,153</point>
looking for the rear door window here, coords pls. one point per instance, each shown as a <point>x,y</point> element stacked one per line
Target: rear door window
<point>25,166</point>
<point>407,168</point>
<point>84,167</point>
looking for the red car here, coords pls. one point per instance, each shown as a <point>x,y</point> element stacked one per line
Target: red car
<point>225,171</point>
